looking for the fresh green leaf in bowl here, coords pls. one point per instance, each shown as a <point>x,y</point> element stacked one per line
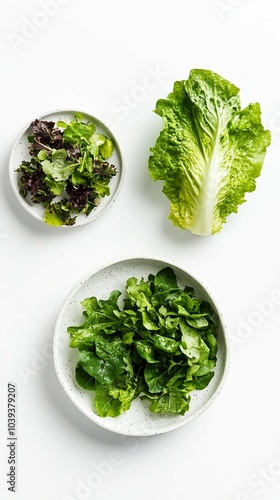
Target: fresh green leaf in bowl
<point>209,152</point>
<point>160,346</point>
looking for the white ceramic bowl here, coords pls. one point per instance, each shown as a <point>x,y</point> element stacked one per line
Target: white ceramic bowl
<point>20,152</point>
<point>138,420</point>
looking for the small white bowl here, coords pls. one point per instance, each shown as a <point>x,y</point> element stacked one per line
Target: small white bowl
<point>20,152</point>
<point>138,420</point>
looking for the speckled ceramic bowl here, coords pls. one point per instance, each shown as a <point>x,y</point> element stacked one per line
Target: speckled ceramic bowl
<point>20,152</point>
<point>138,420</point>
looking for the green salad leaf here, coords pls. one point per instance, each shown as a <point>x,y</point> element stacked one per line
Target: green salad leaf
<point>160,346</point>
<point>209,152</point>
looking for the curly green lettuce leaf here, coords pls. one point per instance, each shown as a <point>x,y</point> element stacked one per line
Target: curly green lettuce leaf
<point>56,166</point>
<point>209,152</point>
<point>173,401</point>
<point>110,401</point>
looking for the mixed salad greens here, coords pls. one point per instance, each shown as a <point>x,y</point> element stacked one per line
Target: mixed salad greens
<point>160,346</point>
<point>209,152</point>
<point>68,172</point>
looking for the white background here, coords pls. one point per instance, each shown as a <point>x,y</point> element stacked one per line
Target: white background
<point>95,56</point>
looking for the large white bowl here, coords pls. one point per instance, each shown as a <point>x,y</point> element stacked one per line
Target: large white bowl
<point>138,420</point>
<point>20,152</point>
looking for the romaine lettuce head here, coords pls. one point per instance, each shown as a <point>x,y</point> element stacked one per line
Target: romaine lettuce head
<point>209,152</point>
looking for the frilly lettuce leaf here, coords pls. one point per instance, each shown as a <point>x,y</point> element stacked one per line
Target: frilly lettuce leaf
<point>209,152</point>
